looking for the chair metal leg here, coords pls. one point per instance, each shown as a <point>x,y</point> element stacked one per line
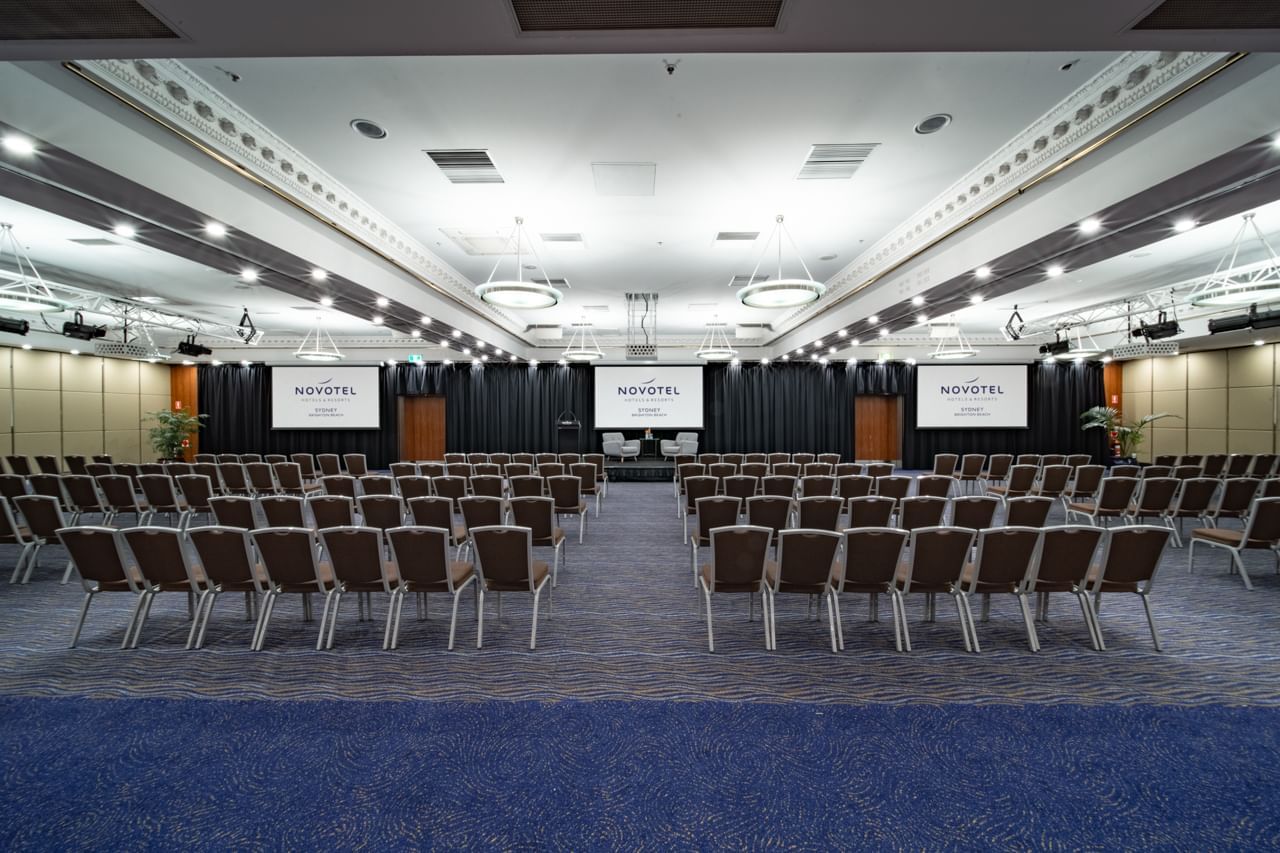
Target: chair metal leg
<point>831,619</point>
<point>22,559</point>
<point>479,616</point>
<point>1244,576</point>
<point>1191,555</point>
<point>133,621</point>
<point>336,595</point>
<point>84,612</point>
<point>1151,622</point>
<point>32,562</point>
<point>391,615</point>
<point>986,607</point>
<point>264,617</point>
<point>900,618</point>
<point>711,640</point>
<point>835,600</point>
<point>964,624</point>
<point>1032,639</point>
<point>968,617</point>
<point>533,630</point>
<point>197,615</point>
<point>148,597</point>
<point>1093,623</point>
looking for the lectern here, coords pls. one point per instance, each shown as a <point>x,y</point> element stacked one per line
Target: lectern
<point>567,428</point>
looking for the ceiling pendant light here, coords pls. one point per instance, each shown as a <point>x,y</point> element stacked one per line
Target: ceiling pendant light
<point>715,344</point>
<point>954,347</point>
<point>1228,286</point>
<point>518,293</point>
<point>318,345</point>
<point>582,344</point>
<point>27,292</point>
<point>780,292</point>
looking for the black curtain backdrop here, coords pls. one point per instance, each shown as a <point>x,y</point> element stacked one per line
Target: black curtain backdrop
<point>778,407</point>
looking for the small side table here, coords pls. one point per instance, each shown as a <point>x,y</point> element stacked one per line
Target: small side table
<point>648,447</point>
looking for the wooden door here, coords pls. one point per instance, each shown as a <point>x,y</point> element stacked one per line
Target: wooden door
<point>877,431</point>
<point>421,428</point>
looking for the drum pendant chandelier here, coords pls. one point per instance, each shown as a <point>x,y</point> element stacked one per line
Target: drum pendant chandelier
<point>26,292</point>
<point>318,346</point>
<point>781,292</point>
<point>1227,288</point>
<point>582,344</point>
<point>715,344</point>
<point>518,293</point>
<point>954,347</point>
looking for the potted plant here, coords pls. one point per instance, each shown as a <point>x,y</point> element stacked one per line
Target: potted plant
<point>1127,437</point>
<point>172,432</point>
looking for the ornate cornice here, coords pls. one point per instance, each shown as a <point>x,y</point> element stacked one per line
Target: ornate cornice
<point>169,90</point>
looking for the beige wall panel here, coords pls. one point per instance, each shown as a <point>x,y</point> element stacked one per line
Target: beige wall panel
<point>82,373</point>
<point>37,370</point>
<point>1137,375</point>
<point>1250,408</point>
<point>1136,405</point>
<point>6,410</point>
<point>36,411</point>
<point>154,379</point>
<point>120,411</point>
<point>1249,441</point>
<point>153,403</point>
<point>120,376</point>
<point>6,445</point>
<point>1207,369</point>
<point>1206,441</point>
<point>1169,374</point>
<point>1173,402</point>
<point>38,443</point>
<point>81,410</point>
<point>123,445</point>
<point>85,443</point>
<point>1162,441</point>
<point>1250,366</point>
<point>6,362</point>
<point>1207,409</point>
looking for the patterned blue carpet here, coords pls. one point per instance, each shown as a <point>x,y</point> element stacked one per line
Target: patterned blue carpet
<point>621,731</point>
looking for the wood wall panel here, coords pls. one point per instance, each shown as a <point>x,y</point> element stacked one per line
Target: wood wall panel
<point>422,428</point>
<point>183,388</point>
<point>877,427</point>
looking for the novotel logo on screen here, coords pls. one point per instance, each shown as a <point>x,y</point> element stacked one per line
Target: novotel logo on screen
<point>324,389</point>
<point>646,388</point>
<point>971,388</point>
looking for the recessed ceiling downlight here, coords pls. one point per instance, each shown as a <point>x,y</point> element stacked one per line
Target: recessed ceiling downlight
<point>368,129</point>
<point>933,123</point>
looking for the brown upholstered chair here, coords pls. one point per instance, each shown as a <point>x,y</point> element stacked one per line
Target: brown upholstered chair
<point>780,485</point>
<point>1214,465</point>
<point>382,512</point>
<point>1061,565</point>
<point>162,496</point>
<point>203,469</point>
<point>876,470</point>
<point>1052,459</point>
<point>602,473</point>
<point>854,486</point>
<point>76,464</point>
<point>83,497</point>
<point>486,469</point>
<point>230,565</point>
<point>228,457</point>
<point>283,510</point>
<point>1261,532</point>
<point>734,459</point>
<point>43,518</point>
<point>817,469</point>
<point>1113,501</point>
<point>233,511</point>
<point>820,512</point>
<point>870,511</point>
<point>292,480</point>
<point>439,512</point>
<point>936,559</point>
<point>355,464</point>
<point>1153,471</point>
<point>451,487</point>
<point>803,459</point>
<point>1084,485</point>
<point>829,458</point>
<point>358,558</point>
<point>996,472</point>
<point>431,470</point>
<point>505,563</point>
<point>486,486</point>
<point>720,470</point>
<point>499,459</point>
<point>1053,481</point>
<point>896,487</point>
<point>516,469</point>
<point>273,458</point>
<point>103,458</point>
<point>477,458</point>
<point>527,486</point>
<point>403,469</point>
<point>331,511</point>
<point>163,563</point>
<point>566,491</point>
<point>548,470</point>
<point>817,485</point>
<point>1166,459</point>
<point>329,464</point>
<point>935,486</point>
<point>1264,465</point>
<point>708,459</point>
<point>777,458</point>
<point>289,559</point>
<point>738,558</point>
<point>96,554</point>
<point>1131,559</point>
<point>695,488</point>
<point>1234,499</point>
<point>976,512</point>
<point>871,556</point>
<point>197,491</point>
<point>712,512</point>
<point>1077,461</point>
<point>1020,482</point>
<point>376,484</point>
<point>586,474</point>
<point>540,459</point>
<point>920,512</point>
<point>19,465</point>
<point>846,469</point>
<point>232,475</point>
<point>1194,500</point>
<point>1027,511</point>
<point>1005,557</point>
<point>771,511</point>
<point>1124,471</point>
<point>1028,459</point>
<point>741,486</point>
<point>944,464</point>
<point>806,565</point>
<point>49,485</point>
<point>1186,472</point>
<point>538,515</point>
<point>756,459</point>
<point>524,459</point>
<point>758,470</point>
<point>95,470</point>
<point>685,470</point>
<point>117,491</point>
<point>261,477</point>
<point>786,469</point>
<point>1155,498</point>
<point>423,566</point>
<point>246,458</point>
<point>341,485</point>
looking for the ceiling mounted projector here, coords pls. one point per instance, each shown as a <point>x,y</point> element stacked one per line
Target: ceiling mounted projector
<point>1055,348</point>
<point>191,348</point>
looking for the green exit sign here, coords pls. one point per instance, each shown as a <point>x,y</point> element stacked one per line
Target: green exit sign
<point>414,358</point>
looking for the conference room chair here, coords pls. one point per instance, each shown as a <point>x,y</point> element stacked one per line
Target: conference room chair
<point>306,466</point>
<point>488,486</point>
<point>1261,531</point>
<point>526,486</point>
<point>540,459</point>
<point>273,458</point>
<point>12,485</point>
<point>1186,472</point>
<point>1191,459</point>
<point>19,465</point>
<point>516,469</point>
<point>439,512</point>
<point>586,474</point>
<point>486,469</point>
<point>331,510</point>
<point>164,565</point>
<point>831,459</point>
<point>1125,471</point>
<point>846,469</point>
<point>413,486</point>
<point>1131,557</point>
<point>970,469</point>
<point>876,470</point>
<point>1005,556</point>
<point>196,491</point>
<point>1155,471</point>
<point>1053,482</point>
<point>246,458</point>
<point>708,458</point>
<point>569,459</point>
<point>162,497</point>
<point>551,469</point>
<point>49,485</point>
<point>537,515</point>
<point>1214,465</point>
<point>1021,480</point>
<point>996,472</point>
<point>935,561</point>
<point>711,513</point>
<point>524,459</point>
<point>755,459</point>
<point>1084,484</point>
<point>340,484</point>
<point>1154,498</point>
<point>477,458</point>
<point>455,458</point>
<point>452,487</point>
<point>329,464</point>
<point>1264,465</point>
<point>233,478</point>
<point>803,459</point>
<point>918,512</point>
<point>1053,459</point>
<point>741,486</point>
<point>229,564</point>
<point>1063,562</point>
<point>870,511</point>
<point>1112,501</point>
<point>686,470</point>
<point>602,473</point>
<point>817,486</point>
<point>151,468</point>
<point>403,469</point>
<point>734,459</point>
<point>103,458</point>
<point>685,459</point>
<point>777,458</point>
<point>771,511</point>
<point>499,459</point>
<point>819,512</point>
<point>205,469</point>
<point>421,556</point>
<point>482,512</point>
<point>355,464</point>
<point>206,457</point>
<point>292,567</point>
<point>935,485</point>
<point>457,469</point>
<point>75,464</point>
<point>1238,465</point>
<point>117,491</point>
<point>1234,499</point>
<point>283,510</point>
<point>871,556</point>
<point>720,470</point>
<point>1027,511</point>
<point>1077,460</point>
<point>1027,459</point>
<point>779,484</point>
<point>786,469</point>
<point>233,511</point>
<point>1194,500</point>
<point>128,469</point>
<point>816,469</point>
<point>83,498</point>
<point>736,566</point>
<point>695,488</point>
<point>976,512</point>
<point>177,469</point>
<point>854,486</point>
<point>14,531</point>
<point>431,470</point>
<point>567,493</point>
<point>756,470</point>
<point>944,464</point>
<point>358,558</point>
<point>504,563</point>
<point>1166,459</point>
<point>893,486</point>
<point>96,554</point>
<point>262,479</point>
<point>376,484</point>
<point>291,481</point>
<point>94,469</point>
<point>806,565</point>
<point>1270,488</point>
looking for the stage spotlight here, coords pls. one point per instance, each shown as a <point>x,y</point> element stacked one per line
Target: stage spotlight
<point>14,327</point>
<point>1162,328</point>
<point>1055,348</point>
<point>82,331</point>
<point>1234,323</point>
<point>1264,319</point>
<point>191,348</point>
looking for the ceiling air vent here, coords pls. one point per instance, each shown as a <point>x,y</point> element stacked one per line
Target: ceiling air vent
<point>744,280</point>
<point>1213,15</point>
<point>835,161</point>
<point>557,16</point>
<point>466,166</point>
<point>736,236</point>
<point>561,237</point>
<point>100,242</point>
<point>553,282</point>
<point>79,20</point>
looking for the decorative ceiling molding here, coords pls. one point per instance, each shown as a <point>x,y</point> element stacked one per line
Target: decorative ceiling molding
<point>1115,94</point>
<point>170,90</point>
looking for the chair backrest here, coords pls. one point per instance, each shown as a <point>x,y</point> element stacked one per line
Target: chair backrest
<point>1186,472</point>
<point>921,512</point>
<point>1006,556</point>
<point>550,469</point>
<point>817,486</point>
<point>103,458</point>
<point>846,469</point>
<point>227,457</point>
<point>816,469</point>
<point>421,554</point>
<point>870,511</point>
<point>1124,471</point>
<point>19,465</point>
<point>206,457</point>
<point>829,458</point>
<point>854,486</point>
<point>504,554</point>
<point>288,476</point>
<point>1264,464</point>
<point>1263,529</point>
<point>777,458</point>
<point>377,484</point>
<point>1028,459</point>
<point>975,512</point>
<point>1066,553</point>
<point>1053,479</point>
<point>1166,459</point>
<point>403,469</point>
<point>944,464</point>
<point>159,491</point>
<point>205,469</point>
<point>596,459</point>
<point>1052,459</point>
<point>1156,495</point>
<point>527,486</point>
<point>759,470</point>
<point>1214,463</point>
<point>49,485</point>
<point>778,484</point>
<point>95,469</point>
<point>537,514</point>
<point>226,554</point>
<point>1027,511</point>
<point>755,459</point>
<point>1236,495</point>
<point>1197,494</point>
<point>332,510</point>
<point>771,511</point>
<point>708,458</point>
<point>568,459</point>
<point>516,469</point>
<point>893,486</point>
<point>1088,480</point>
<point>872,555</point>
<point>524,459</point>
<point>82,493</point>
<point>540,459</point>
<point>820,512</point>
<point>1078,460</point>
<point>117,489</point>
<point>716,511</point>
<point>938,555</point>
<point>306,462</point>
<point>450,458</point>
<point>720,470</point>
<point>738,555</point>
<point>477,458</point>
<point>177,469</point>
<point>289,556</point>
<point>246,458</point>
<point>159,555</point>
<point>339,485</point>
<point>1270,488</point>
<point>734,459</point>
<point>481,511</point>
<point>76,464</point>
<point>806,557</point>
<point>96,553</point>
<point>283,510</point>
<point>741,486</point>
<point>43,514</point>
<point>698,487</point>
<point>499,459</point>
<point>432,512</point>
<point>486,469</point>
<point>1132,555</point>
<point>1021,479</point>
<point>273,458</point>
<point>934,485</point>
<point>998,465</point>
<point>1155,471</point>
<point>586,474</point>
<point>355,464</point>
<point>1238,464</point>
<point>690,469</point>
<point>786,469</point>
<point>566,491</point>
<point>233,511</point>
<point>330,464</point>
<point>232,476</point>
<point>355,553</point>
<point>803,458</point>
<point>485,486</point>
